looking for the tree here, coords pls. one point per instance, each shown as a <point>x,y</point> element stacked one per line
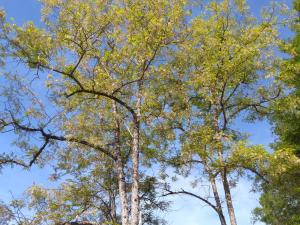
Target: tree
<point>280,198</point>
<point>224,73</point>
<point>101,55</point>
<point>286,109</point>
<point>132,82</point>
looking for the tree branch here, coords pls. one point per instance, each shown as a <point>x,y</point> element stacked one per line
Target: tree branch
<point>103,94</point>
<point>47,137</point>
<point>182,191</point>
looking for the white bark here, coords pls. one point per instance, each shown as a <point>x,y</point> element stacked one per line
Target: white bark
<point>135,201</point>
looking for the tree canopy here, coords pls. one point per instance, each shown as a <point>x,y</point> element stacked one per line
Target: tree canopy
<point>115,89</point>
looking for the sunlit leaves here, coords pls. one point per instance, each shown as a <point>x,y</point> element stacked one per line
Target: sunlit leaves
<point>183,77</point>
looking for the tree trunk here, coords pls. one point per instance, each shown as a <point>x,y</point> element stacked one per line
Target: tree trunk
<point>228,197</point>
<point>135,178</point>
<point>227,192</point>
<point>135,201</point>
<point>120,171</point>
<point>212,181</point>
<point>122,193</point>
<point>226,187</point>
<point>112,200</point>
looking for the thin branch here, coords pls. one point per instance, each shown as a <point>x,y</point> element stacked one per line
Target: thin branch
<point>36,155</point>
<point>261,176</point>
<point>70,75</point>
<point>254,105</point>
<point>99,93</point>
<point>8,160</point>
<point>124,85</point>
<point>49,136</point>
<point>182,191</point>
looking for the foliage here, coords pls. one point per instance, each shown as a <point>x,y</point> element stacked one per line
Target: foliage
<point>280,196</point>
<point>102,57</point>
<point>223,73</point>
<point>115,87</point>
<point>286,115</point>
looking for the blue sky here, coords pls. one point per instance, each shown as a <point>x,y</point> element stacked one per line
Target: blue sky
<point>184,211</point>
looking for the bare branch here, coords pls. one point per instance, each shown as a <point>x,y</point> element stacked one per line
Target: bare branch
<point>182,191</point>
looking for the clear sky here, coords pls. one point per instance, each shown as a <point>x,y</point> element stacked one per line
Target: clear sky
<point>185,210</point>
